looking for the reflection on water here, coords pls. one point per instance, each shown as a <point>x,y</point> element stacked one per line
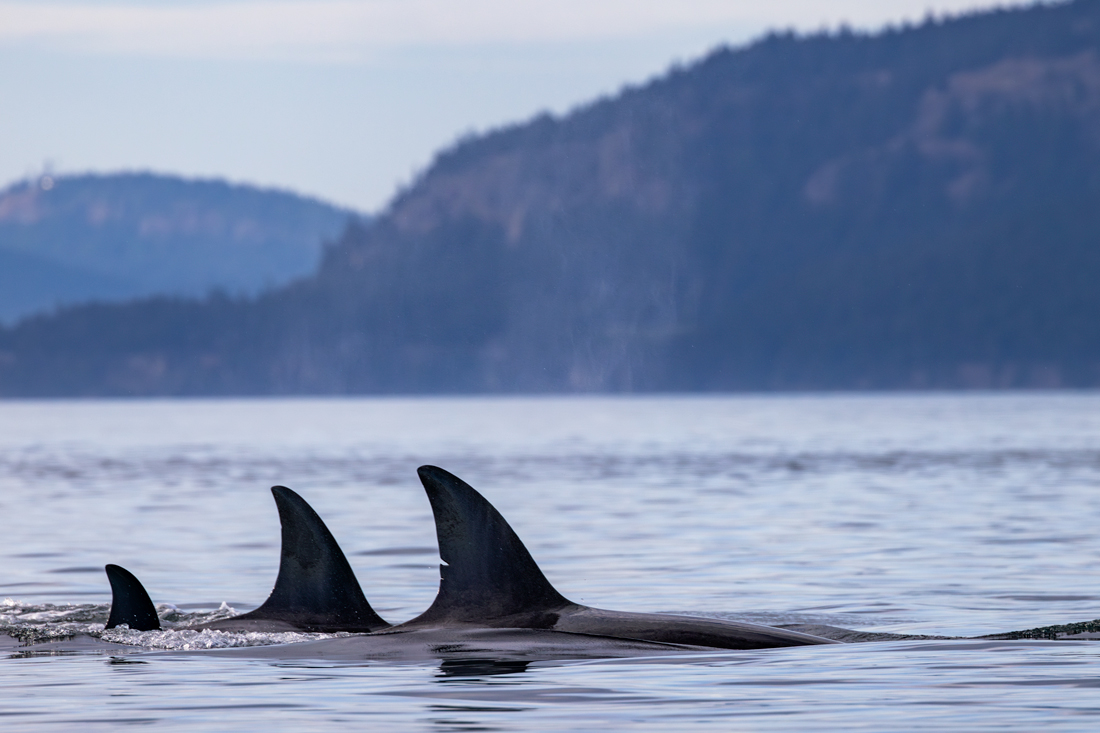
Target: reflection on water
<point>952,515</point>
<point>450,668</point>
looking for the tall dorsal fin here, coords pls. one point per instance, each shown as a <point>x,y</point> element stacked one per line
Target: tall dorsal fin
<point>488,574</point>
<point>316,588</point>
<point>130,602</point>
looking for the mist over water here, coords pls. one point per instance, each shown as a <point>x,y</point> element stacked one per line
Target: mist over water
<point>930,514</point>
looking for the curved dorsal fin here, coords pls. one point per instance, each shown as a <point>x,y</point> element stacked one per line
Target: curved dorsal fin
<point>130,602</point>
<point>488,574</point>
<point>316,588</point>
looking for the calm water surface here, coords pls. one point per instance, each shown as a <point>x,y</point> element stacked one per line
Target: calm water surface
<point>937,514</point>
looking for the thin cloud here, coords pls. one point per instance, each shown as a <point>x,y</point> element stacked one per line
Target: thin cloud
<point>347,30</point>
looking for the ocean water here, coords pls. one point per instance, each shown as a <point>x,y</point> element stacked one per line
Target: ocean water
<point>943,515</point>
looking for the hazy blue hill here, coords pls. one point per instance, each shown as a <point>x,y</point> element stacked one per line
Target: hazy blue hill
<point>125,235</point>
<point>29,283</point>
<point>915,208</point>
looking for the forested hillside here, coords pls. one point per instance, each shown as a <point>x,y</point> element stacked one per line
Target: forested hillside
<point>915,208</point>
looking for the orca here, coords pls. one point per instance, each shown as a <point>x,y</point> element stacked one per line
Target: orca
<point>316,590</point>
<point>493,646</point>
<point>493,603</point>
<point>493,599</point>
<point>490,580</point>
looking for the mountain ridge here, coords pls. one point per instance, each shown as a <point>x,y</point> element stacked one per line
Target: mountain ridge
<point>914,208</point>
<point>121,235</point>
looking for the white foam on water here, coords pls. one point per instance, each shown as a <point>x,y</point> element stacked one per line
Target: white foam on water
<point>37,623</point>
<point>191,640</point>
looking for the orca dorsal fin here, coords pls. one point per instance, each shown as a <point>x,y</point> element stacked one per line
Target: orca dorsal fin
<point>130,602</point>
<point>488,574</point>
<point>316,589</point>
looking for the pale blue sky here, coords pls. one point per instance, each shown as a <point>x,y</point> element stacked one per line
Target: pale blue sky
<point>341,99</point>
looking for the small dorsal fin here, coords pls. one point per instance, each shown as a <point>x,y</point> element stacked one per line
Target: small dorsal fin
<point>316,588</point>
<point>488,574</point>
<point>130,602</point>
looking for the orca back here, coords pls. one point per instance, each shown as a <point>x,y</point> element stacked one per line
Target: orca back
<point>130,603</point>
<point>316,589</point>
<point>488,574</point>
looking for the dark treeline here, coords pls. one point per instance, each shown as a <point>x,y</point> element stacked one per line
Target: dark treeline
<point>915,208</point>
